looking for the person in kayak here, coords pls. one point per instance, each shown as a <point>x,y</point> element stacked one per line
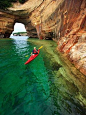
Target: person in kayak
<point>35,51</point>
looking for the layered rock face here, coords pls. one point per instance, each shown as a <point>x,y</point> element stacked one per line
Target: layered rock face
<point>73,39</point>
<point>6,24</point>
<point>61,20</point>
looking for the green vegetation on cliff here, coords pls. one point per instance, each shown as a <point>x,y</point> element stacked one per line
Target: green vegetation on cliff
<point>7,3</point>
<point>20,33</point>
<point>22,1</point>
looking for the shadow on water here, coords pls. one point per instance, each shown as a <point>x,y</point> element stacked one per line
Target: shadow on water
<point>43,87</point>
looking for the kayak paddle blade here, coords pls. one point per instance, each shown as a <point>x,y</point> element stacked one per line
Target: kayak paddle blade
<point>26,56</point>
<point>40,47</point>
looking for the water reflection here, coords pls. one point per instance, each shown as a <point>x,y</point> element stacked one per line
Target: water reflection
<point>21,45</point>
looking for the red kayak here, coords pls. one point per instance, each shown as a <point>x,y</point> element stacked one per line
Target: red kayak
<point>32,57</point>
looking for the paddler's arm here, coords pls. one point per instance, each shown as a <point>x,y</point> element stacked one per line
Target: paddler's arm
<point>37,51</point>
<point>31,53</point>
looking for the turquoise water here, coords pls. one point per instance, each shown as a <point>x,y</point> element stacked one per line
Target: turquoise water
<point>32,89</point>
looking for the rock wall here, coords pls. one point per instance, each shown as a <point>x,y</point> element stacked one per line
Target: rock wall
<point>6,24</point>
<point>65,22</point>
<point>61,20</point>
<point>73,35</point>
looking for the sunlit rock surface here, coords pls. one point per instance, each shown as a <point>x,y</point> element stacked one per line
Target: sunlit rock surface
<point>73,43</point>
<point>6,24</point>
<point>61,20</point>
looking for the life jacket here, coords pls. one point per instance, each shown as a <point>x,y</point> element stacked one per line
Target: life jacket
<point>35,52</point>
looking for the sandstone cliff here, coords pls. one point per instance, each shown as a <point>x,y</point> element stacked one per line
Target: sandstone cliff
<point>61,20</point>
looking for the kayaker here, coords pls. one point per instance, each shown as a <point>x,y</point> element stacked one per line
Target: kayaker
<point>35,51</point>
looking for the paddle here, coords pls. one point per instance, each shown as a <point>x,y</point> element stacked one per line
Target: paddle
<point>38,49</point>
<point>26,55</point>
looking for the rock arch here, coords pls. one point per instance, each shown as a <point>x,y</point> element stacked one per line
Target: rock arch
<point>7,22</point>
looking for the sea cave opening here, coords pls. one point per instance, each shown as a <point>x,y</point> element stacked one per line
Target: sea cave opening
<point>19,30</point>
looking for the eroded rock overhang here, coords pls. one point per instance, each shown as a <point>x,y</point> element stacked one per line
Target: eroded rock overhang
<point>61,20</point>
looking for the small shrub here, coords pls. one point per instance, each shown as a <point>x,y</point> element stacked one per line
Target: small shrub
<point>4,4</point>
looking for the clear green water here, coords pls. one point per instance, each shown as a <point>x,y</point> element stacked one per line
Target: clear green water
<point>32,89</point>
